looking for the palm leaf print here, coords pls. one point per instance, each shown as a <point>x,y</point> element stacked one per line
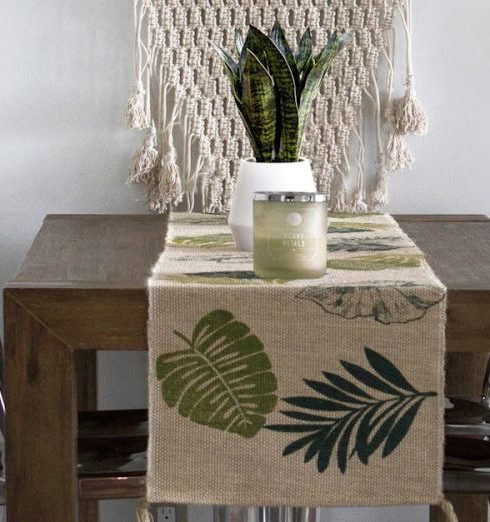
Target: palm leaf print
<point>353,416</point>
<point>223,377</point>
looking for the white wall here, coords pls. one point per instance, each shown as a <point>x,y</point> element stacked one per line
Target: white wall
<point>64,75</point>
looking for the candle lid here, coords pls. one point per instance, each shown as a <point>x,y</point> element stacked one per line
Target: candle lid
<point>291,197</point>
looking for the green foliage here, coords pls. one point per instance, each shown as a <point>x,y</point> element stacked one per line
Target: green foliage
<point>222,379</point>
<point>274,87</point>
<point>373,408</point>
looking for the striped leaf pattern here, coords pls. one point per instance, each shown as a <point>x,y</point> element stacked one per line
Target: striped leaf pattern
<point>274,87</point>
<point>355,416</point>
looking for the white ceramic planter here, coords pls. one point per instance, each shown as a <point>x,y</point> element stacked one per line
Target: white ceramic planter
<point>270,177</point>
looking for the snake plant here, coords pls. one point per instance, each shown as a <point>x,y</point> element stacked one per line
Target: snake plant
<point>274,87</point>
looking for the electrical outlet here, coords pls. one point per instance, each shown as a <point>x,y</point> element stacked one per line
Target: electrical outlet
<point>166,514</point>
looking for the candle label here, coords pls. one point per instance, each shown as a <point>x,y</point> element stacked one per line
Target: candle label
<point>293,235</point>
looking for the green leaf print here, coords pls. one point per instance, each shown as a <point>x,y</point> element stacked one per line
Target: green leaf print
<point>233,277</point>
<point>222,379</point>
<point>377,407</point>
<point>347,227</point>
<point>385,304</point>
<point>204,241</point>
<point>376,262</point>
<point>356,244</point>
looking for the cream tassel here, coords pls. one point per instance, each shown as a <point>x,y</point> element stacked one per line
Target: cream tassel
<point>410,115</point>
<point>398,155</point>
<point>145,158</point>
<point>338,203</point>
<point>359,206</point>
<point>166,188</point>
<point>143,512</point>
<point>379,196</point>
<point>447,510</point>
<point>136,115</point>
<point>137,107</point>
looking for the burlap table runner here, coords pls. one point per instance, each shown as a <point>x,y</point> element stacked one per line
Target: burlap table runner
<point>324,392</point>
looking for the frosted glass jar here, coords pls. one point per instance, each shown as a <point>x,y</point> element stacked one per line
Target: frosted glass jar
<point>290,235</point>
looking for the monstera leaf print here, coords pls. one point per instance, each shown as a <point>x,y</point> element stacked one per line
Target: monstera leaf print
<point>387,305</point>
<point>370,409</point>
<point>222,378</point>
<point>233,277</point>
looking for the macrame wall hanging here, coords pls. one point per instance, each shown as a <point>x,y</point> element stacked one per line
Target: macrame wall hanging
<point>194,137</point>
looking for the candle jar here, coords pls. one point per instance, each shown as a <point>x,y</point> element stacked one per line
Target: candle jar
<point>290,235</point>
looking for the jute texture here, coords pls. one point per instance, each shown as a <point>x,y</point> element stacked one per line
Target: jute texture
<point>325,392</point>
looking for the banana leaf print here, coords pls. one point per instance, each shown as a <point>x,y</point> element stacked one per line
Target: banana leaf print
<point>204,241</point>
<point>386,305</point>
<point>376,262</point>
<point>347,227</point>
<point>369,410</point>
<point>356,244</point>
<point>222,378</point>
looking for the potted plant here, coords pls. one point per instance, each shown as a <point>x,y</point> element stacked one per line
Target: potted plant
<point>274,90</point>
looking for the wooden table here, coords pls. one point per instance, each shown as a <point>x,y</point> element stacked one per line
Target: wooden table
<point>81,288</point>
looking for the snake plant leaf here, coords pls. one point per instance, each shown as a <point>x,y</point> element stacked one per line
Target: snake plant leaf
<point>305,50</point>
<point>279,38</point>
<point>259,105</point>
<point>286,148</point>
<point>239,41</point>
<point>383,416</point>
<point>226,58</point>
<point>222,379</point>
<point>248,131</point>
<point>313,80</point>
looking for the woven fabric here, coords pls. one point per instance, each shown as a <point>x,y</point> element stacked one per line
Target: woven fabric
<point>178,66</point>
<point>324,392</point>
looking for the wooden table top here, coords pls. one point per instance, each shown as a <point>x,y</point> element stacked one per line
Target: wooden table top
<point>84,276</point>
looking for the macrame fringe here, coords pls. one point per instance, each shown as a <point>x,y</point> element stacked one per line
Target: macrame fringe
<point>379,195</point>
<point>358,206</point>
<point>145,159</point>
<point>339,202</point>
<point>136,113</point>
<point>143,512</point>
<point>447,510</point>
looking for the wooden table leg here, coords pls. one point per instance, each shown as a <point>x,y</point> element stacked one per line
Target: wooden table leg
<point>86,373</point>
<point>41,421</point>
<point>464,376</point>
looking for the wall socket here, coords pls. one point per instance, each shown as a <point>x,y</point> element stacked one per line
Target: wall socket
<point>169,512</point>
<point>166,514</point>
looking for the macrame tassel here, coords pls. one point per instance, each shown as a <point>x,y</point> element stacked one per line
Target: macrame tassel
<point>143,512</point>
<point>379,196</point>
<point>145,159</point>
<point>166,189</point>
<point>136,115</point>
<point>410,115</point>
<point>338,203</point>
<point>359,206</point>
<point>447,510</point>
<point>397,154</point>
